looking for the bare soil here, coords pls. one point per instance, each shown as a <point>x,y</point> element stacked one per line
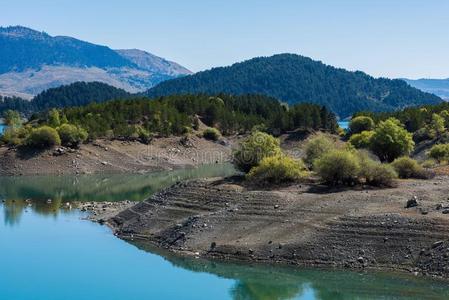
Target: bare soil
<point>304,224</point>
<point>104,156</point>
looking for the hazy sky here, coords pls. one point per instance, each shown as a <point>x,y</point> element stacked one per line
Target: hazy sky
<point>392,38</point>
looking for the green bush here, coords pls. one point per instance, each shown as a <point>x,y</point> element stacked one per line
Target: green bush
<point>429,163</point>
<point>12,118</point>
<point>255,148</point>
<point>360,124</point>
<point>361,140</point>
<point>316,147</point>
<point>53,118</point>
<point>211,134</point>
<point>15,136</point>
<point>276,170</point>
<point>142,134</point>
<point>375,173</point>
<point>390,140</point>
<point>338,167</point>
<point>409,168</point>
<point>440,152</point>
<point>71,135</point>
<point>43,137</point>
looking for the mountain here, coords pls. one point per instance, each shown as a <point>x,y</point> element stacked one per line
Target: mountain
<point>439,87</point>
<point>32,61</point>
<point>293,78</point>
<point>75,94</point>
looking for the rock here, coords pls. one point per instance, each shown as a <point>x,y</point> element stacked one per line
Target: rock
<point>445,212</point>
<point>437,244</point>
<point>361,259</point>
<point>213,245</point>
<point>276,206</point>
<point>413,202</point>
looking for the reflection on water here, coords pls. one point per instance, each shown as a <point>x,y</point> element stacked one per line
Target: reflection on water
<point>52,254</point>
<point>49,194</point>
<point>275,282</point>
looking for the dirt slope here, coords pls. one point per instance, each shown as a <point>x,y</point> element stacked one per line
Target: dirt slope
<point>105,156</point>
<point>303,224</point>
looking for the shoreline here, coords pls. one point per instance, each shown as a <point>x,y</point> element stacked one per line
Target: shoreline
<point>116,157</point>
<point>384,239</point>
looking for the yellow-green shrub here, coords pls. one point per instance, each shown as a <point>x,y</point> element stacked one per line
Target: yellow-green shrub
<point>71,135</point>
<point>391,140</point>
<point>440,152</point>
<point>211,134</point>
<point>338,167</point>
<point>360,124</point>
<point>15,136</point>
<point>255,148</point>
<point>361,140</point>
<point>409,168</point>
<point>316,147</point>
<point>276,170</point>
<point>43,137</point>
<point>375,173</point>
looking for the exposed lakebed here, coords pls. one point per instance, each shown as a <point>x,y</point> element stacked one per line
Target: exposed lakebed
<point>49,252</point>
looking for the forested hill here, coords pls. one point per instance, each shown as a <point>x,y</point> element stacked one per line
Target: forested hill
<point>294,79</point>
<point>75,94</point>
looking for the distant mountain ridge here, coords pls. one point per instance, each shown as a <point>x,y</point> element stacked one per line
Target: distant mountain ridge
<point>75,94</point>
<point>439,87</point>
<point>33,61</point>
<point>293,79</point>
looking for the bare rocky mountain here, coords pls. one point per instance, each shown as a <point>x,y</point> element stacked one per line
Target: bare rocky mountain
<point>33,61</point>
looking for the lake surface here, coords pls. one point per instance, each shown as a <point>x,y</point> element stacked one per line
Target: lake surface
<point>48,252</point>
<point>2,128</point>
<point>344,124</point>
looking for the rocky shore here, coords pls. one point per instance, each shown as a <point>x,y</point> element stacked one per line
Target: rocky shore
<point>404,228</point>
<point>105,156</point>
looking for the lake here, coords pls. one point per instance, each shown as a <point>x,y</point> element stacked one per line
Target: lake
<point>2,128</point>
<point>343,124</point>
<point>49,252</point>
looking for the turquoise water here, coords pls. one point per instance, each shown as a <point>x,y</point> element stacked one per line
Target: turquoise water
<point>48,252</point>
<point>2,128</point>
<point>343,124</point>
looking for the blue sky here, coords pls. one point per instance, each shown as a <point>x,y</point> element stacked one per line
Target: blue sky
<point>395,38</point>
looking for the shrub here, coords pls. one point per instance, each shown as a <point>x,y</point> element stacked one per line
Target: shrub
<point>43,137</point>
<point>276,170</point>
<point>71,135</point>
<point>440,152</point>
<point>316,147</point>
<point>436,127</point>
<point>390,140</point>
<point>54,119</point>
<point>429,163</point>
<point>143,134</point>
<point>12,118</point>
<point>361,123</point>
<point>361,140</point>
<point>15,136</point>
<point>409,168</point>
<point>338,167</point>
<point>211,134</point>
<point>255,148</point>
<point>377,174</point>
<point>422,134</point>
